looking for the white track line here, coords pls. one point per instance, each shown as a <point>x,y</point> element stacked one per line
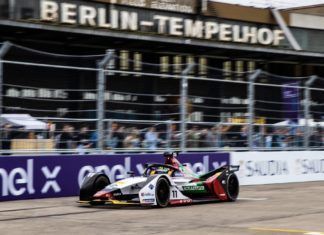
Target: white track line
<point>278,230</point>
<point>253,199</point>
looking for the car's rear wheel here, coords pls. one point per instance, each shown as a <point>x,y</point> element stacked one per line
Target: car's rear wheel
<point>232,187</point>
<point>162,192</point>
<point>93,184</point>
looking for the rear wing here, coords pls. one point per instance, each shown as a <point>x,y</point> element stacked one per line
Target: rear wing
<point>234,168</point>
<point>230,168</point>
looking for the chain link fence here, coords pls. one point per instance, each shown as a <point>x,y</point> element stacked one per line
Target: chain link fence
<point>117,102</point>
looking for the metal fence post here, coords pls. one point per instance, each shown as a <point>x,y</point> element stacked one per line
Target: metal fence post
<point>168,134</point>
<point>251,95</point>
<point>183,105</point>
<point>101,86</point>
<point>3,51</point>
<point>307,97</point>
<point>12,5</point>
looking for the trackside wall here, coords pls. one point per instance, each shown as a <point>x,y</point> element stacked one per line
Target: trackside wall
<point>29,177</point>
<point>279,167</point>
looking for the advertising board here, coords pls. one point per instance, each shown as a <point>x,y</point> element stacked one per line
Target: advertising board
<point>279,167</point>
<point>57,176</point>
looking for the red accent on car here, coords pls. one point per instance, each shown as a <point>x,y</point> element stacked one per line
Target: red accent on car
<point>219,190</point>
<point>213,184</point>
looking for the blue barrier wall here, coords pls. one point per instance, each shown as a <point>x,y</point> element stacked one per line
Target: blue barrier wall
<point>28,177</point>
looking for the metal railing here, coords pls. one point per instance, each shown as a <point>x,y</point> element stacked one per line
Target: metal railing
<point>220,110</point>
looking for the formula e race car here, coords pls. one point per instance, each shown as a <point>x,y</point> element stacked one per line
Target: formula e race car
<point>161,185</point>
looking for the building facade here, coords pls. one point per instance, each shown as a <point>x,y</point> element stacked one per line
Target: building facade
<point>154,36</point>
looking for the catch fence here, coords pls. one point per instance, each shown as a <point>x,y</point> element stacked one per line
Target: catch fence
<point>117,102</point>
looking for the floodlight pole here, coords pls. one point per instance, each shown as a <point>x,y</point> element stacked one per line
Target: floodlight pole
<point>307,98</point>
<point>183,104</point>
<point>251,99</point>
<point>3,51</point>
<point>101,87</point>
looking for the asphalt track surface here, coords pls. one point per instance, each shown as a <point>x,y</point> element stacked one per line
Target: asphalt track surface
<point>262,210</point>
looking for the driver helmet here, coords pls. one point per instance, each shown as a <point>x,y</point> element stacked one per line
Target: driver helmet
<point>170,154</point>
<point>170,158</point>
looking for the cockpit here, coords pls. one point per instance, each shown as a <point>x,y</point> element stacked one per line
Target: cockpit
<point>156,169</point>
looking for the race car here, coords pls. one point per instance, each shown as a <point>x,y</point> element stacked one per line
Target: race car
<point>161,185</point>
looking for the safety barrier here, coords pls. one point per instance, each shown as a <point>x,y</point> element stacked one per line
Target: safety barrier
<point>31,177</point>
<point>28,177</point>
<point>279,167</point>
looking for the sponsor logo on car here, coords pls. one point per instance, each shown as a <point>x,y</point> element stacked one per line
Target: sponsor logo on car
<point>147,194</point>
<point>194,188</point>
<point>151,186</point>
<point>148,200</point>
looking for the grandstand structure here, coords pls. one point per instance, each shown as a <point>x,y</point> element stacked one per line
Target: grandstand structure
<point>82,77</point>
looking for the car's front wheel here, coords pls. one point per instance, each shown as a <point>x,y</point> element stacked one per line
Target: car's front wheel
<point>162,192</point>
<point>92,184</point>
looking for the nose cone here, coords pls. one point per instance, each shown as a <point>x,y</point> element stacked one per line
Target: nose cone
<point>102,195</point>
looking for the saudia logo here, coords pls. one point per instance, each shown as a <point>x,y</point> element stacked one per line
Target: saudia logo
<point>266,168</point>
<point>21,180</point>
<point>310,166</point>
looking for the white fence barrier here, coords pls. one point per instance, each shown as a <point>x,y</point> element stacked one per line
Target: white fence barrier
<point>279,167</point>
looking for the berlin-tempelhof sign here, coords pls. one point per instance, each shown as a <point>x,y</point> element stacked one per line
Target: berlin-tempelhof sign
<point>112,18</point>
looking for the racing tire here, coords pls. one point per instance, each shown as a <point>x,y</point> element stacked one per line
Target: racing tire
<point>162,192</point>
<point>92,184</point>
<point>232,187</point>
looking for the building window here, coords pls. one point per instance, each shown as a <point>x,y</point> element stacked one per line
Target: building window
<point>251,66</point>
<point>239,70</point>
<point>196,117</point>
<point>227,68</point>
<point>191,60</point>
<point>202,66</point>
<point>164,64</point>
<point>124,61</point>
<point>137,63</point>
<point>225,116</point>
<point>177,66</point>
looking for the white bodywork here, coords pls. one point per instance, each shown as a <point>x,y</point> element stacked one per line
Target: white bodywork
<point>146,191</point>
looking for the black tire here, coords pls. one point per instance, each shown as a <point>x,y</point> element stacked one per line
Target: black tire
<point>93,184</point>
<point>232,187</point>
<point>162,192</point>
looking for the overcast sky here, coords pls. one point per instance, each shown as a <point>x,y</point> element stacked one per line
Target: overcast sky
<point>273,3</point>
